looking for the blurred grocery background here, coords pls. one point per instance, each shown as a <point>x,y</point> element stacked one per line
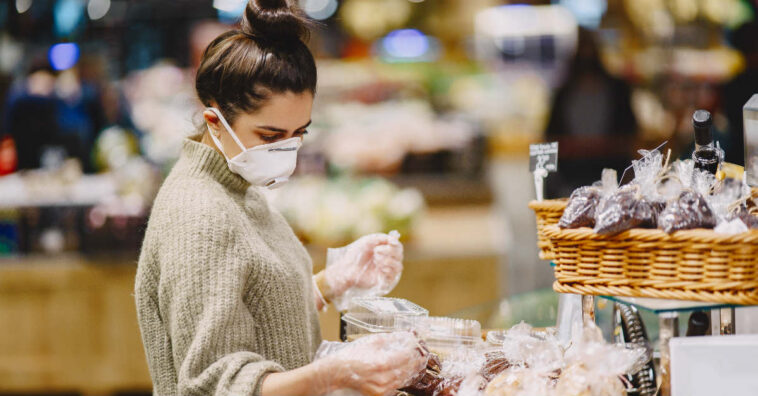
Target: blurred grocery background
<point>422,121</point>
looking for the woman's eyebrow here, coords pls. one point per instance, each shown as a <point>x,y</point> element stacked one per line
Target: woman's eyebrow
<point>281,130</point>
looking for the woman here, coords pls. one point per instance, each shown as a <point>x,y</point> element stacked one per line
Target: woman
<point>226,300</point>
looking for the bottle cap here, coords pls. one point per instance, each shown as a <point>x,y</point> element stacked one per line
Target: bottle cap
<point>702,122</point>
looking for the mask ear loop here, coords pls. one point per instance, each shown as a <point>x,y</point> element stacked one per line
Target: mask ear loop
<point>228,128</point>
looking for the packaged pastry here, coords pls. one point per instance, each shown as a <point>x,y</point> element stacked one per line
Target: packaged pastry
<point>635,205</point>
<point>623,210</point>
<point>580,210</point>
<point>690,210</point>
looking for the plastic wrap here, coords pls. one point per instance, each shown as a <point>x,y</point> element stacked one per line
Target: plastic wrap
<point>426,384</point>
<point>728,202</point>
<point>523,381</point>
<point>445,336</point>
<point>569,314</point>
<point>647,173</point>
<point>375,364</point>
<point>465,372</point>
<point>580,210</point>
<point>690,210</point>
<point>602,358</point>
<point>636,204</point>
<point>523,346</point>
<point>734,226</point>
<point>378,315</point>
<point>540,367</point>
<point>460,369</point>
<point>368,267</point>
<point>748,218</point>
<point>623,210</point>
<point>725,195</point>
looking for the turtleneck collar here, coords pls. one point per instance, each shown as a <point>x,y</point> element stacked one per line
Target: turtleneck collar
<point>202,160</point>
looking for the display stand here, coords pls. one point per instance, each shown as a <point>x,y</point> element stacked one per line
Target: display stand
<point>722,316</point>
<point>588,308</point>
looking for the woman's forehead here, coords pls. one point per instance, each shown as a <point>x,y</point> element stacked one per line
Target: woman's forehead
<point>282,110</point>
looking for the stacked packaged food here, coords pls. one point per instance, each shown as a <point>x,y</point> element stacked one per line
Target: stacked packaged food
<point>519,361</point>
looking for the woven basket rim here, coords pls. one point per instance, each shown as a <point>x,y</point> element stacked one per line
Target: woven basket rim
<point>652,235</point>
<point>551,205</point>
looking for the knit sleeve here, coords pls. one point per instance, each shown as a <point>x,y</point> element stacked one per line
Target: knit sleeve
<point>205,280</point>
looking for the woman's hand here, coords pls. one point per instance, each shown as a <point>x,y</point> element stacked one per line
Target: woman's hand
<point>369,266</point>
<point>374,365</point>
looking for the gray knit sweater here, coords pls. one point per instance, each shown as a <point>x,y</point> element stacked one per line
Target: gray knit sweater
<point>223,289</point>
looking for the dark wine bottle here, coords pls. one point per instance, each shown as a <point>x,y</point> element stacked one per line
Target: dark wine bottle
<point>699,324</point>
<point>707,157</point>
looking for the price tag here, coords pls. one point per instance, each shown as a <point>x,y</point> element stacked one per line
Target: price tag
<point>543,156</point>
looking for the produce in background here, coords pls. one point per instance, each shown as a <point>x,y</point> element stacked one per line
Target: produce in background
<point>373,138</point>
<point>333,212</point>
<point>163,106</point>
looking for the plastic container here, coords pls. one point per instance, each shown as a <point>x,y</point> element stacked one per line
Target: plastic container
<point>378,315</point>
<point>444,335</point>
<point>495,338</point>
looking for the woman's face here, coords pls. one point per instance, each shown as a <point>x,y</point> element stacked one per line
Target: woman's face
<point>285,115</point>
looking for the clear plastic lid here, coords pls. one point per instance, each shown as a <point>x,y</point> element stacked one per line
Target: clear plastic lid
<point>386,306</point>
<point>436,330</point>
<point>496,337</point>
<point>379,315</point>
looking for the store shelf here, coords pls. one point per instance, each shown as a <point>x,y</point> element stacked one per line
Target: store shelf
<point>448,189</point>
<point>658,306</point>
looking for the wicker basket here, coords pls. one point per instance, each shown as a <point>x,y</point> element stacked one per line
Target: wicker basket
<point>548,213</point>
<point>698,265</point>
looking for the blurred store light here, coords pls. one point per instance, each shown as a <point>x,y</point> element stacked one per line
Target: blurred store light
<point>23,6</point>
<point>408,45</point>
<point>97,9</point>
<point>588,13</point>
<point>370,19</point>
<point>523,20</point>
<point>684,10</point>
<point>228,5</point>
<point>319,9</point>
<point>723,11</point>
<point>67,16</point>
<point>544,33</point>
<point>63,56</point>
<point>229,11</point>
<point>11,53</point>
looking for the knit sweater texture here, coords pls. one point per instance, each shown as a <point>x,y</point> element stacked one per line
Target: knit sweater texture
<point>223,289</point>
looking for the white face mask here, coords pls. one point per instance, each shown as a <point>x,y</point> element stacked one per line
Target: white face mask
<point>267,165</point>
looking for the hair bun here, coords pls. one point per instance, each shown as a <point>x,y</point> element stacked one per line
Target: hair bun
<point>275,20</point>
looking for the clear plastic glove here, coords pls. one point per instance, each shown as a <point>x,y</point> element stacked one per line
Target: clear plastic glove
<point>374,365</point>
<point>368,267</point>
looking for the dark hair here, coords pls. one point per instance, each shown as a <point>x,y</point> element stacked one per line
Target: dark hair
<point>241,68</point>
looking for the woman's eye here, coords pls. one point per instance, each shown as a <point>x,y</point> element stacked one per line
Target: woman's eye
<point>301,133</point>
<point>269,138</point>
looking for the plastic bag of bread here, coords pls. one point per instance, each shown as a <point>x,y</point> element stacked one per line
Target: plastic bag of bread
<point>750,219</point>
<point>690,210</point>
<point>636,204</point>
<point>623,210</point>
<point>374,364</point>
<point>580,210</point>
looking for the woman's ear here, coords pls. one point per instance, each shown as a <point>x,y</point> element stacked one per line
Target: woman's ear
<point>211,118</point>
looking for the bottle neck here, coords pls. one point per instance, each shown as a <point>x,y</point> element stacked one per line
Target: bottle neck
<point>699,147</point>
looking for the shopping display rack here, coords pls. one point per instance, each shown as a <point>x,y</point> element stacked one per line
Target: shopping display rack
<point>697,270</point>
